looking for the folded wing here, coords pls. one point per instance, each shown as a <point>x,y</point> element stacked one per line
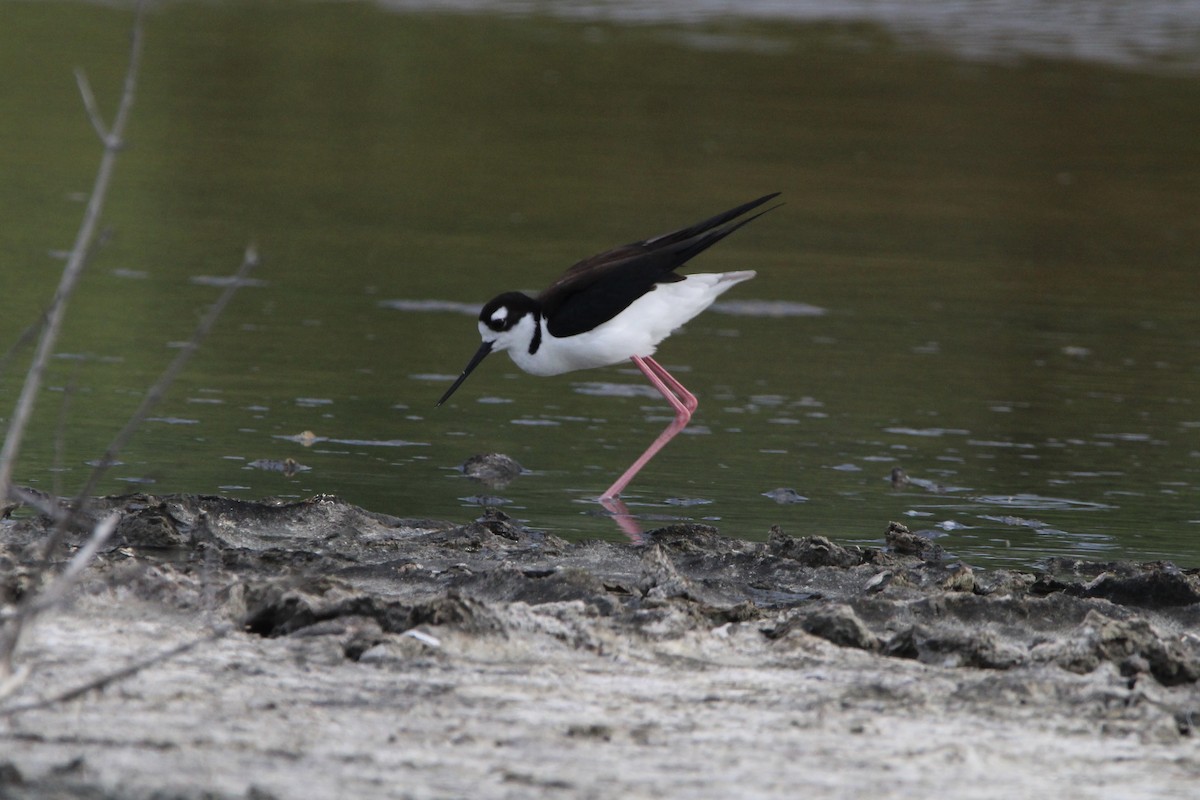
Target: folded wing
<point>596,289</point>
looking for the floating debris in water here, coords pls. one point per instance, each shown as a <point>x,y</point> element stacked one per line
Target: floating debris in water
<point>785,496</point>
<point>288,466</point>
<point>901,479</point>
<point>306,438</point>
<point>174,420</point>
<point>495,470</point>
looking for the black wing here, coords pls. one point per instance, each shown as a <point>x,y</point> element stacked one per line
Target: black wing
<point>596,289</point>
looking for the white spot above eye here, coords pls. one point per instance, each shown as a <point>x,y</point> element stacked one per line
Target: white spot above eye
<point>500,314</point>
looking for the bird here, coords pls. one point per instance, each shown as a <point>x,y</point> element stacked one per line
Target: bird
<point>614,306</point>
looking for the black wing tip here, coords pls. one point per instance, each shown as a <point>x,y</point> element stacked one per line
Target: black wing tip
<point>713,224</point>
<point>757,203</point>
<point>753,204</point>
<point>709,232</point>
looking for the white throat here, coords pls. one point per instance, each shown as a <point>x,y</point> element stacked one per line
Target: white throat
<point>528,333</point>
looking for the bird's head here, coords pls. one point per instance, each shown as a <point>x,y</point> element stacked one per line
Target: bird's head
<point>507,321</point>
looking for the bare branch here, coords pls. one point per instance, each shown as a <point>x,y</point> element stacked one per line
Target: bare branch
<point>60,432</point>
<point>14,680</point>
<point>45,504</point>
<point>27,336</point>
<point>89,104</point>
<point>19,421</point>
<point>35,603</point>
<point>156,392</point>
<point>116,139</point>
<point>55,592</point>
<point>113,677</point>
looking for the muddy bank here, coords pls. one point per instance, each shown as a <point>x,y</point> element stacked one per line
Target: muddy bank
<point>358,654</point>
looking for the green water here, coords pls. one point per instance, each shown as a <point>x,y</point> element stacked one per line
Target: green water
<point>1006,255</point>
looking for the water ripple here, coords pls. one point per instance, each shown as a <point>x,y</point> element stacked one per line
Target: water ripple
<point>1041,503</point>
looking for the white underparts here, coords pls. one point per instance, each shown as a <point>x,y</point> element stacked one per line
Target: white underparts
<point>636,331</point>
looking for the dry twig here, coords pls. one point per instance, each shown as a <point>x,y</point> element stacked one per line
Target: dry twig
<point>113,140</point>
<point>112,677</point>
<point>35,603</point>
<point>156,392</point>
<point>32,605</point>
<point>52,324</point>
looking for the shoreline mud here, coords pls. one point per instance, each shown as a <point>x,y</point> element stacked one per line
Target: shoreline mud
<point>321,650</point>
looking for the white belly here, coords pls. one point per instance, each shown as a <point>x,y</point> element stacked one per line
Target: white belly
<point>636,331</point>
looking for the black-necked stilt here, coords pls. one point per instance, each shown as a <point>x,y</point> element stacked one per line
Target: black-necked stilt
<point>616,305</point>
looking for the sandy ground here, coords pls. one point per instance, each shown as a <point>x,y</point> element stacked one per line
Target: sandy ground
<point>339,653</point>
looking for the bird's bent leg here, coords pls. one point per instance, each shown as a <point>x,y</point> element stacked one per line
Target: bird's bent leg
<point>684,403</point>
<point>678,389</point>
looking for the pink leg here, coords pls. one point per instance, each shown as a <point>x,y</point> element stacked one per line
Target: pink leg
<point>678,389</point>
<point>684,403</point>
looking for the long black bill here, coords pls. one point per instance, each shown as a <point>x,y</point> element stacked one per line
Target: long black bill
<point>480,355</point>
